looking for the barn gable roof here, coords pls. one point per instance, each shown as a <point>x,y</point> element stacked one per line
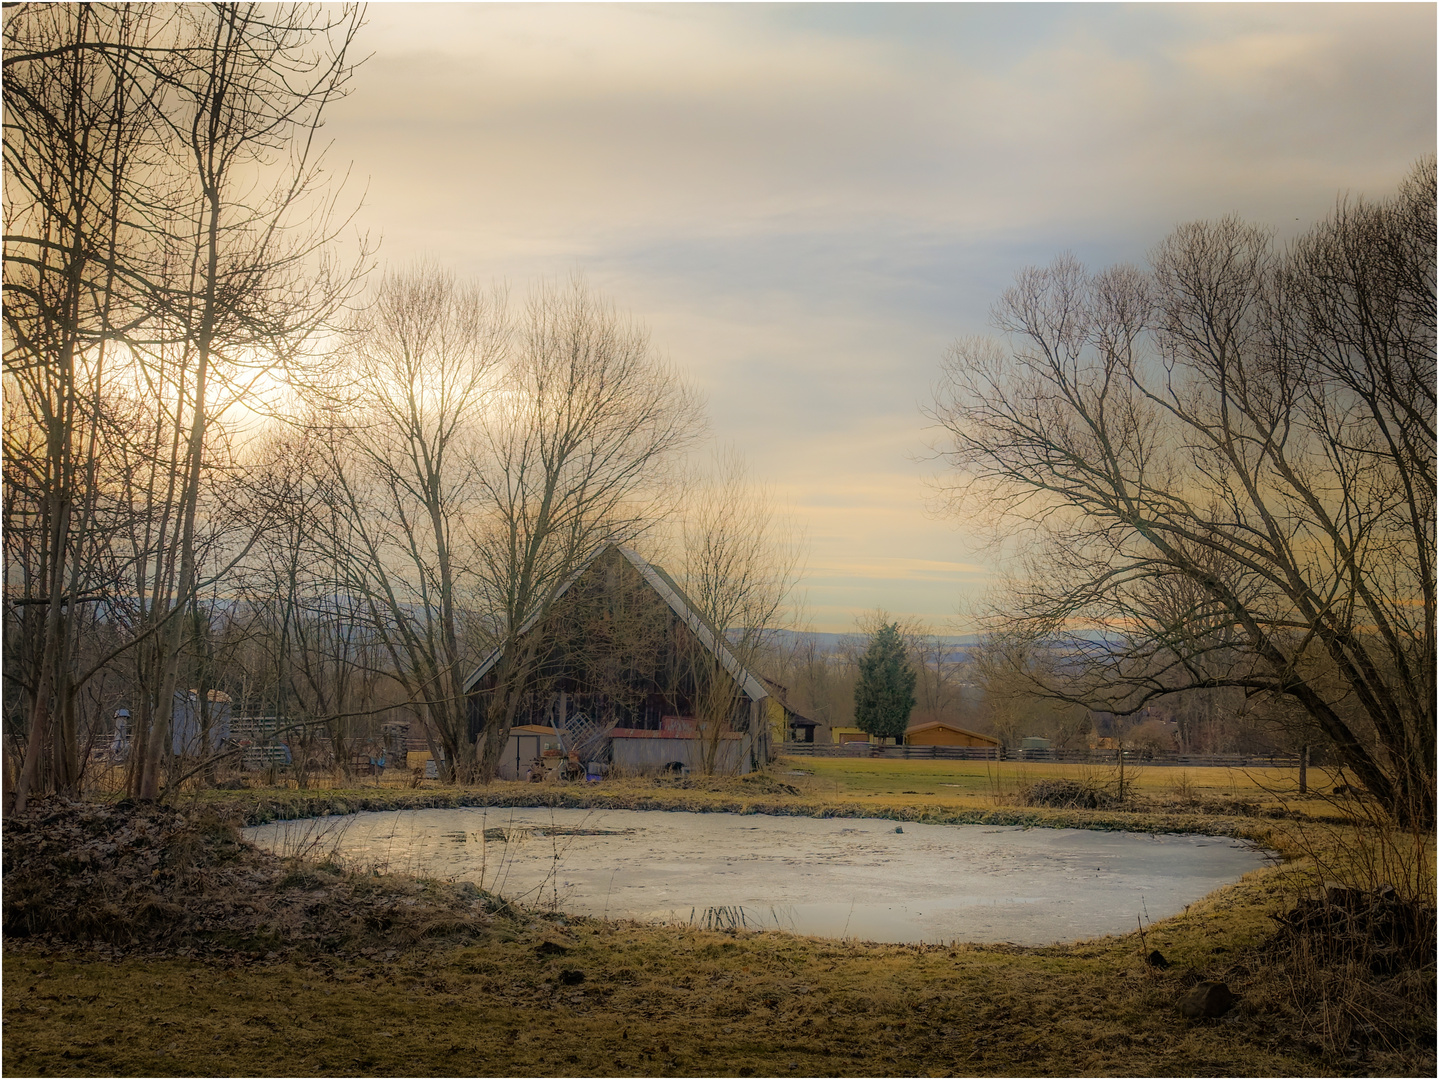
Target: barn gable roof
<point>934,725</point>
<point>669,591</point>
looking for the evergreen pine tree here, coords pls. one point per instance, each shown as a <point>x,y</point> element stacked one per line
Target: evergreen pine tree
<point>884,695</point>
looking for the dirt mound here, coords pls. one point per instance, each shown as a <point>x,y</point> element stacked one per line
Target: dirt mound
<point>153,878</point>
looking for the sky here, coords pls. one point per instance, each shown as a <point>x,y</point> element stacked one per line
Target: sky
<point>808,203</point>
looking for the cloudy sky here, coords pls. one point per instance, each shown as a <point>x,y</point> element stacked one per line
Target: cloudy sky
<point>807,203</point>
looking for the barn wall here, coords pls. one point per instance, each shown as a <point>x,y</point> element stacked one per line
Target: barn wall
<point>645,754</point>
<point>945,737</point>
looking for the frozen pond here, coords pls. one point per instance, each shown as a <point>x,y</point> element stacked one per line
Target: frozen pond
<point>836,877</point>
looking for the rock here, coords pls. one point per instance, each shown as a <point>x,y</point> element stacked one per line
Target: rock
<point>1208,999</point>
<point>899,828</point>
<point>1156,960</point>
<point>551,947</point>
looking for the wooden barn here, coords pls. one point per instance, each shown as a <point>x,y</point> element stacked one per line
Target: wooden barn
<point>943,733</point>
<point>627,673</point>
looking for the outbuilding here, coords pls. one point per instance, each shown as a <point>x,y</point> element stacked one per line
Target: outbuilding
<point>786,723</point>
<point>943,733</point>
<point>526,742</point>
<point>624,670</point>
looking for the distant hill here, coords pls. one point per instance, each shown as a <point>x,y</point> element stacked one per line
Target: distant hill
<point>830,643</point>
<point>961,646</point>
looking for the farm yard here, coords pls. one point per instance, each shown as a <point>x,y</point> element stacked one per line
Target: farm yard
<point>975,784</point>
<point>606,540</point>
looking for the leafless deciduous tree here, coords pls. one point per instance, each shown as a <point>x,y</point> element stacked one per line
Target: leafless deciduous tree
<point>739,565</point>
<point>1223,474</point>
<point>577,448</point>
<point>250,278</point>
<point>168,239</point>
<point>77,127</point>
<point>313,660</point>
<point>408,484</point>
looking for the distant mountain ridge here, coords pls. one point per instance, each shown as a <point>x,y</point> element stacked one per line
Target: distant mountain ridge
<point>831,643</point>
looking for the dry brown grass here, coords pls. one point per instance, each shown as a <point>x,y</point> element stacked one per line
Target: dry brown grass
<point>535,994</point>
<point>553,997</point>
<point>652,1001</point>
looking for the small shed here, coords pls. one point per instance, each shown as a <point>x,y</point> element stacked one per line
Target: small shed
<point>199,728</point>
<point>943,733</point>
<point>526,742</point>
<point>801,730</point>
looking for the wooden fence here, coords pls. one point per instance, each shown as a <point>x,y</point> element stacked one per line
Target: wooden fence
<point>859,749</point>
<point>1058,757</point>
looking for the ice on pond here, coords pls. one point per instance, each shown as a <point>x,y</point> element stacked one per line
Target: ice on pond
<point>834,877</point>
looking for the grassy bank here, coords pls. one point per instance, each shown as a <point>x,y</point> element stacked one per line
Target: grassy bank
<point>548,997</point>
<point>977,784</point>
<point>924,791</point>
<point>1216,801</point>
<point>533,993</point>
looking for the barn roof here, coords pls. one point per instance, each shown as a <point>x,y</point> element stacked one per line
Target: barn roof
<point>935,724</point>
<point>678,602</point>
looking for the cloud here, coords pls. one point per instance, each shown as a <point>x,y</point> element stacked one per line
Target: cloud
<point>807,202</point>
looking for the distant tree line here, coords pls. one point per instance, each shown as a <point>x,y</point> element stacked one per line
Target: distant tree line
<point>979,686</point>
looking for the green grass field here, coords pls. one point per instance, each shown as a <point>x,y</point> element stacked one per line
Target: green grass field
<point>974,784</point>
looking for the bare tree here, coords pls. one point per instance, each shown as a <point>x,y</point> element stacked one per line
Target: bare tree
<point>250,275</point>
<point>740,563</point>
<point>939,668</point>
<point>408,487</point>
<point>1224,474</point>
<point>819,682</point>
<point>1023,688</point>
<point>314,660</point>
<point>577,450</point>
<point>77,128</point>
<point>170,243</point>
